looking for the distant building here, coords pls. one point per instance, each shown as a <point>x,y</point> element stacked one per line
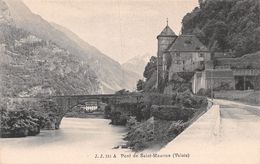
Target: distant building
<point>185,53</point>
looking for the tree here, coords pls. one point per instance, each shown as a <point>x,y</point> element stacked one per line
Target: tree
<point>122,92</point>
<point>225,25</point>
<point>140,85</point>
<point>150,68</point>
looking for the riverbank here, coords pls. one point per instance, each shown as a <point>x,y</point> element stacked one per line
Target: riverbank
<point>158,119</point>
<point>85,115</point>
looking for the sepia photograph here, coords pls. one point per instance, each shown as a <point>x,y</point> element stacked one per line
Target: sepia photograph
<point>130,81</point>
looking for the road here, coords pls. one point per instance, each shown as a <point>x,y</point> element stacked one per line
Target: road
<point>225,135</point>
<point>240,130</point>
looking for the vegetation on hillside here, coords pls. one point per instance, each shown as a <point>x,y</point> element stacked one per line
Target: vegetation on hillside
<point>31,66</point>
<point>157,119</point>
<point>232,25</point>
<point>150,75</point>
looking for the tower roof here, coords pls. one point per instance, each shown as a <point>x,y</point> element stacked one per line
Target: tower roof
<point>167,31</point>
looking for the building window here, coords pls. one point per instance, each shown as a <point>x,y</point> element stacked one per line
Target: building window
<point>201,55</point>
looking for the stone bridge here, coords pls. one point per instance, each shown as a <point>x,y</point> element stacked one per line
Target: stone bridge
<point>67,102</point>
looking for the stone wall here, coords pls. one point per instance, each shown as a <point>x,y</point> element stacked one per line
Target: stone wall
<point>219,79</point>
<point>221,84</point>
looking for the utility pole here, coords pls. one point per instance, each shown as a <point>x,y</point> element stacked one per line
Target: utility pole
<point>157,78</point>
<point>211,79</point>
<point>211,88</point>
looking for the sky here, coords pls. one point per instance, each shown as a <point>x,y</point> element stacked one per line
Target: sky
<point>120,29</point>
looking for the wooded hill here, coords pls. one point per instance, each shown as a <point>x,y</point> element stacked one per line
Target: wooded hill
<point>226,25</point>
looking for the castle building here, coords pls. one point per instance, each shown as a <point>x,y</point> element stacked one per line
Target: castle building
<point>185,53</point>
<point>165,38</point>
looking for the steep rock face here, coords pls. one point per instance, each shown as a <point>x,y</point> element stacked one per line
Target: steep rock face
<point>110,73</point>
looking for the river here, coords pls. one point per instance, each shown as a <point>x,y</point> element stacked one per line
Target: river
<point>77,141</point>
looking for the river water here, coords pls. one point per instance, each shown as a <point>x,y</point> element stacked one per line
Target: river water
<point>77,141</point>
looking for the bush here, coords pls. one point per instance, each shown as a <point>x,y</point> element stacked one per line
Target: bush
<point>18,124</point>
<point>141,135</point>
<point>171,113</point>
<point>184,98</point>
<point>107,112</point>
<point>155,99</point>
<point>204,92</point>
<point>175,129</point>
<point>187,99</point>
<point>146,112</point>
<point>117,118</point>
<point>158,99</point>
<point>121,112</point>
<point>131,122</point>
<point>122,92</point>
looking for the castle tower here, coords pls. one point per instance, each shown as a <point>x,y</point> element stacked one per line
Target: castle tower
<point>165,39</point>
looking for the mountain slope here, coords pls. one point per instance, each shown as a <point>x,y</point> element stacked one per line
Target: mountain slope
<point>113,76</point>
<point>110,73</point>
<point>32,66</point>
<point>226,25</point>
<point>137,64</point>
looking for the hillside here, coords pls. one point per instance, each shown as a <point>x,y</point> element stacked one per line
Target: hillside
<point>32,66</point>
<point>112,75</point>
<point>137,64</point>
<point>109,72</point>
<point>246,61</point>
<point>227,25</point>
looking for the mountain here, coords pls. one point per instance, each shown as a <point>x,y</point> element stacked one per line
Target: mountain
<point>137,64</point>
<point>109,72</point>
<point>227,25</point>
<point>33,66</point>
<point>113,76</point>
